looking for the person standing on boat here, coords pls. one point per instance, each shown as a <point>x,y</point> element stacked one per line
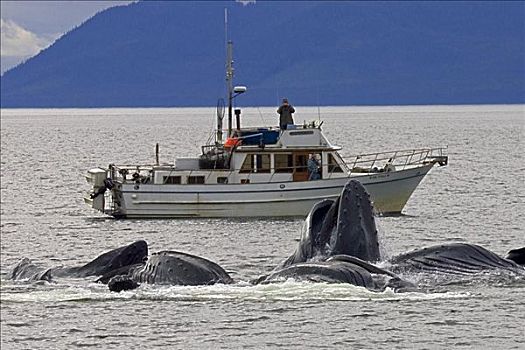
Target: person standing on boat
<point>285,114</point>
<point>313,168</point>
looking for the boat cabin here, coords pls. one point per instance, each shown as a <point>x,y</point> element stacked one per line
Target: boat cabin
<point>251,156</point>
<point>259,156</point>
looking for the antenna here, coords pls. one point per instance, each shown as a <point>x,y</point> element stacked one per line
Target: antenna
<point>229,74</point>
<point>229,83</point>
<point>318,106</point>
<point>225,26</point>
<point>229,70</point>
<point>232,91</point>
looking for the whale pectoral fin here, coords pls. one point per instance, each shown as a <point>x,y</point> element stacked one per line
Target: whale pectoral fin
<point>517,255</point>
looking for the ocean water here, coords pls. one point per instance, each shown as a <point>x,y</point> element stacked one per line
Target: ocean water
<point>478,198</point>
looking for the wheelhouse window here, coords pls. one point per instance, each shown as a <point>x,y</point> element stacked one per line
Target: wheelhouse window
<point>333,166</point>
<point>247,165</point>
<point>222,180</point>
<point>192,180</point>
<point>256,163</point>
<point>172,180</point>
<point>263,163</point>
<point>283,163</point>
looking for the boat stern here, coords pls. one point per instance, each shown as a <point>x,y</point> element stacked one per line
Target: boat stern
<point>95,197</point>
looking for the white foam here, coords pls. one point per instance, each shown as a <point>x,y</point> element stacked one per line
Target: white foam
<point>286,291</point>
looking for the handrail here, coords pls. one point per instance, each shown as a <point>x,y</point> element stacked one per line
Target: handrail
<point>402,150</point>
<point>362,163</point>
<point>401,158</point>
<point>242,170</point>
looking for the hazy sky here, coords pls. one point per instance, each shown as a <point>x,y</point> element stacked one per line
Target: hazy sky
<point>29,26</point>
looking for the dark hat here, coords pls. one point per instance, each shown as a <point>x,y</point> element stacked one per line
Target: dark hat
<point>285,100</point>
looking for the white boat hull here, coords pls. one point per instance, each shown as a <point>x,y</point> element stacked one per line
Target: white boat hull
<point>388,190</point>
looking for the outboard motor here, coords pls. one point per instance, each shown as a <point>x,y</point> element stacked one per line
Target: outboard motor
<point>97,178</point>
<point>108,185</point>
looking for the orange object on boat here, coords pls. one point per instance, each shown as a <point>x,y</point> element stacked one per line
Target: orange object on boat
<point>232,142</point>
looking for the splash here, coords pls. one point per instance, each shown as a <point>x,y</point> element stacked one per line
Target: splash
<point>289,291</point>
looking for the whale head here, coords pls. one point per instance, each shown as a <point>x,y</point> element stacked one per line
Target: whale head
<point>131,254</point>
<point>345,225</point>
<point>352,229</point>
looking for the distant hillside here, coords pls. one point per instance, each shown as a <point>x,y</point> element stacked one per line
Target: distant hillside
<point>329,53</point>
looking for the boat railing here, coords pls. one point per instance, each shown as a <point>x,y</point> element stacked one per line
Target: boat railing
<point>362,163</point>
<point>395,160</point>
<point>126,173</point>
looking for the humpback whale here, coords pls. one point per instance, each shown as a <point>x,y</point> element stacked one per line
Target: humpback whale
<point>454,259</point>
<point>338,238</point>
<point>26,270</point>
<point>341,269</point>
<point>171,268</point>
<point>342,226</point>
<point>339,244</point>
<point>128,266</point>
<point>118,259</point>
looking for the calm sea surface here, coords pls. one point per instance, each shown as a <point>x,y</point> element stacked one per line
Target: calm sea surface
<point>479,198</point>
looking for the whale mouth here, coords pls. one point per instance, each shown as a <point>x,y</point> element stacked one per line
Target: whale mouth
<point>345,225</point>
<point>116,259</point>
<point>134,253</point>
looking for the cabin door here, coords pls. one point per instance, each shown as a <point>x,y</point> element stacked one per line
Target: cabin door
<point>300,166</point>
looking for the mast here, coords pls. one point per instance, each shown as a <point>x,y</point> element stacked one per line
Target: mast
<point>231,90</point>
<point>229,71</point>
<point>220,106</point>
<point>229,83</point>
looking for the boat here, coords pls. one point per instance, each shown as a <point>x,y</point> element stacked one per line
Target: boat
<point>257,172</point>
